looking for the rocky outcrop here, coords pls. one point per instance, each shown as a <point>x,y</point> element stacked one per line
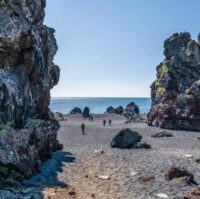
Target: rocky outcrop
<point>176,91</point>
<point>128,139</point>
<point>132,113</point>
<point>27,73</point>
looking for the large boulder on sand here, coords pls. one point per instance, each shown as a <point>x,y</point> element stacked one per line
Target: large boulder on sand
<point>76,110</point>
<point>176,91</point>
<point>128,139</point>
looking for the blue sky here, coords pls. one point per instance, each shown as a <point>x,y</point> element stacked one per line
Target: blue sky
<point>110,48</point>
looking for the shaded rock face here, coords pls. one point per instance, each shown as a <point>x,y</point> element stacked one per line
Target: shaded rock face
<point>27,73</point>
<point>128,139</point>
<point>176,91</point>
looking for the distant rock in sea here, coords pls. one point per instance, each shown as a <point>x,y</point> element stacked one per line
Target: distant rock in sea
<point>176,91</point>
<point>119,110</point>
<point>76,110</point>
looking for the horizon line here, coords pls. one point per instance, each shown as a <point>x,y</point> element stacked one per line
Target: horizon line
<point>98,97</point>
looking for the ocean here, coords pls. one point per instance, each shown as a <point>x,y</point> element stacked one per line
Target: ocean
<point>97,105</point>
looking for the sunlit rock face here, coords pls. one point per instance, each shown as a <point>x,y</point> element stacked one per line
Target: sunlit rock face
<point>176,91</point>
<point>27,73</point>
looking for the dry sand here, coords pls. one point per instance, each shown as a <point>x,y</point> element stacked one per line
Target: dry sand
<point>74,172</point>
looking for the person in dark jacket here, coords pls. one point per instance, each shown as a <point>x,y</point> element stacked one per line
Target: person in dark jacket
<point>83,129</point>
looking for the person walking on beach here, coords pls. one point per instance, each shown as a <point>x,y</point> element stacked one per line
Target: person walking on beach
<point>104,122</point>
<point>83,129</point>
<point>110,122</point>
<point>91,118</point>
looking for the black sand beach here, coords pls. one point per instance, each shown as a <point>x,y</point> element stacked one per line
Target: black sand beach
<point>75,172</point>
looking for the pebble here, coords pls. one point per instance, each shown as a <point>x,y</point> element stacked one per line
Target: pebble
<point>188,156</point>
<point>162,195</point>
<point>104,177</point>
<point>133,173</point>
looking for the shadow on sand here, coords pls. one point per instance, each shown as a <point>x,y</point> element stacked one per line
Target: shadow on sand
<point>48,177</point>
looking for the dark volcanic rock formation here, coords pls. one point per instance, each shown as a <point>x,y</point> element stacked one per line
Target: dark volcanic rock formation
<point>27,73</point>
<point>176,91</point>
<point>132,113</point>
<point>86,112</point>
<point>119,110</point>
<point>128,139</point>
<point>110,109</point>
<point>76,110</point>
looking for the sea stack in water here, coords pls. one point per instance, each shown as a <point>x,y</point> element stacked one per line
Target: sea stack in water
<point>176,91</point>
<point>27,73</point>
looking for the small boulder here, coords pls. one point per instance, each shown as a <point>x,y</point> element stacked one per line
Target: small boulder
<point>86,112</point>
<point>179,175</point>
<point>126,139</point>
<point>162,134</point>
<point>76,110</point>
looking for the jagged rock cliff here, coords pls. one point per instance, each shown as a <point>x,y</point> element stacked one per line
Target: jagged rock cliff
<point>27,73</point>
<point>176,91</point>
